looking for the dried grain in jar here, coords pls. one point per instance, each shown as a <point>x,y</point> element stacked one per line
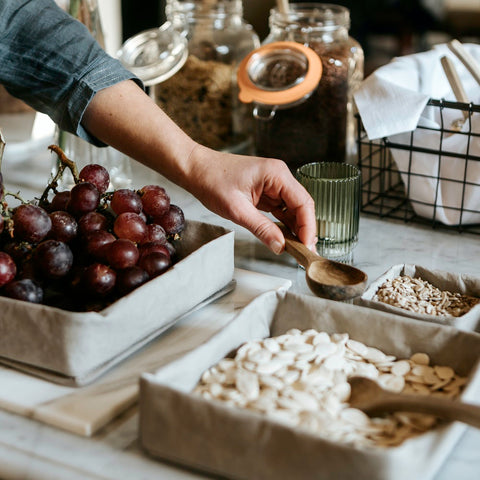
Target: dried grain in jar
<point>320,128</point>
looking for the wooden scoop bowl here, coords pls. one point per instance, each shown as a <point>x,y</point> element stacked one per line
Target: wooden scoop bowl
<point>368,396</point>
<point>325,278</point>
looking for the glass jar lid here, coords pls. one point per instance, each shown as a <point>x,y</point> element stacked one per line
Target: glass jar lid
<point>154,55</point>
<point>279,74</point>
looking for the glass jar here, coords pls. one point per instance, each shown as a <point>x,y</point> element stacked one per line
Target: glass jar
<point>75,148</point>
<point>321,127</point>
<point>202,96</point>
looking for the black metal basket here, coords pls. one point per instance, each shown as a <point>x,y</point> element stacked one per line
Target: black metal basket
<point>388,191</point>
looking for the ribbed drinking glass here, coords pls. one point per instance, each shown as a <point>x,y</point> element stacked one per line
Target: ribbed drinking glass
<point>335,188</point>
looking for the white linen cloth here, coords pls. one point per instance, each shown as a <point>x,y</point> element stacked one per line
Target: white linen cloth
<point>392,102</point>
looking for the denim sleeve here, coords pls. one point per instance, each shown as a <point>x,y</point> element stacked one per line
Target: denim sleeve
<point>53,63</point>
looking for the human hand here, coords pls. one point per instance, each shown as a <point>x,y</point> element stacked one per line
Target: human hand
<point>238,187</point>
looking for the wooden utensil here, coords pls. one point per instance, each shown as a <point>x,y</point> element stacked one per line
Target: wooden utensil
<point>466,58</point>
<point>368,396</point>
<point>282,6</point>
<point>325,278</point>
<point>457,88</point>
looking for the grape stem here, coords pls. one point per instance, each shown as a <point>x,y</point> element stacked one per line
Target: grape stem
<point>15,195</point>
<point>64,162</point>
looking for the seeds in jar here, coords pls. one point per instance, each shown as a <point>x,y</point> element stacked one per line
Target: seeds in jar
<point>420,296</point>
<point>314,130</point>
<point>302,382</point>
<point>199,99</point>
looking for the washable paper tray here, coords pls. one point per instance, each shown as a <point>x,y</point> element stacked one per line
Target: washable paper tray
<point>445,281</point>
<point>74,348</point>
<point>184,428</point>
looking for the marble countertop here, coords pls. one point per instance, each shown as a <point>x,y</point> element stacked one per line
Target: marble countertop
<point>31,450</point>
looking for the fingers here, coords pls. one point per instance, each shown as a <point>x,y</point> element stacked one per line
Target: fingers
<point>299,212</point>
<point>262,227</point>
<point>300,218</point>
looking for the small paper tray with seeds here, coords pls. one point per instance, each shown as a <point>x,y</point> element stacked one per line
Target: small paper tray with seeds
<point>74,348</point>
<point>179,424</point>
<point>430,295</point>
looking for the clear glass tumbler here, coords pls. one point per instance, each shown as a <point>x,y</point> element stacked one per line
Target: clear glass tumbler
<point>335,188</point>
<point>77,149</point>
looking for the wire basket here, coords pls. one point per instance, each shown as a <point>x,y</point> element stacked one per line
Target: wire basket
<point>406,191</point>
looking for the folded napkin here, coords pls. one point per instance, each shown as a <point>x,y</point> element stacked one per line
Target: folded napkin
<point>392,103</point>
<point>393,99</point>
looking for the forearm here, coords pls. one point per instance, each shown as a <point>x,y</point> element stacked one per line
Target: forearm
<point>234,186</point>
<point>124,117</point>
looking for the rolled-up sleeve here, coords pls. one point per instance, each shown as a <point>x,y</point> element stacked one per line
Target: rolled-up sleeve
<point>53,63</point>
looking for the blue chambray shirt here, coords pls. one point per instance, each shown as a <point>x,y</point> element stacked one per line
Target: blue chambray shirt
<point>53,63</point>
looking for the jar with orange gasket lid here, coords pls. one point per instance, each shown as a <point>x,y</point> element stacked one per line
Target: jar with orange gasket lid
<point>318,126</point>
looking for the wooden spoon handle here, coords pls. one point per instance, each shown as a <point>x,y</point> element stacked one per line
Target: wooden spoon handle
<point>283,6</point>
<point>296,248</point>
<point>440,407</point>
<point>464,56</point>
<point>455,82</point>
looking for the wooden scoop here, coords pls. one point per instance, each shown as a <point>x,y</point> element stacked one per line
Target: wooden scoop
<point>325,278</point>
<point>372,399</point>
<point>466,58</point>
<point>457,88</point>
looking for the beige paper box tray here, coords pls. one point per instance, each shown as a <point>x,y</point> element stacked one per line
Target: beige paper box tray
<point>185,428</point>
<point>74,348</point>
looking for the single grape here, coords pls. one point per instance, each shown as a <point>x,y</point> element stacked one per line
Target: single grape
<point>96,243</point>
<point>130,278</point>
<point>25,289</point>
<point>97,175</point>
<point>122,253</point>
<point>8,269</point>
<point>173,221</point>
<point>171,249</point>
<point>125,200</point>
<point>155,201</point>
<point>147,248</point>
<point>155,233</point>
<point>60,201</point>
<point>64,226</point>
<point>98,279</point>
<point>154,264</point>
<point>92,222</point>
<point>84,198</point>
<point>131,226</point>
<point>75,278</point>
<point>53,259</point>
<point>18,251</point>
<point>143,216</point>
<point>31,223</point>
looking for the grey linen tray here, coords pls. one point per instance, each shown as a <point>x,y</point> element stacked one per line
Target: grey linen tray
<point>179,426</point>
<point>74,348</point>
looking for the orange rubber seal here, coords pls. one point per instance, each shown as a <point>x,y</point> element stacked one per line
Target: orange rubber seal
<point>249,92</point>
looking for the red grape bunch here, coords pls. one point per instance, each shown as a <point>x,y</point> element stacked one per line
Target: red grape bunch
<point>84,248</point>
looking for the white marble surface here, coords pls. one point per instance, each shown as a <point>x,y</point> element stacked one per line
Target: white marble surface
<point>31,450</point>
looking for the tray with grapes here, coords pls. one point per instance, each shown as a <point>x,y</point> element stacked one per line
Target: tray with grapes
<point>89,275</point>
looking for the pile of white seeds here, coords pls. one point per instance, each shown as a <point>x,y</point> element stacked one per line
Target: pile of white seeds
<point>420,296</point>
<point>300,378</point>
